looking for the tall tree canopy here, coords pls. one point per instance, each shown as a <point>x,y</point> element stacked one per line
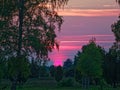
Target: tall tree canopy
<point>90,61</point>
<point>29,26</point>
<point>112,66</point>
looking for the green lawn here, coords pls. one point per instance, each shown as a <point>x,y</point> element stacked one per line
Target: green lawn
<point>48,84</point>
<point>66,88</point>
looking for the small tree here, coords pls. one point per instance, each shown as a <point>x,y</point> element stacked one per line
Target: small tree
<point>18,71</point>
<point>77,73</point>
<point>68,68</point>
<point>112,66</point>
<point>34,69</point>
<point>58,73</point>
<point>90,63</point>
<point>52,71</point>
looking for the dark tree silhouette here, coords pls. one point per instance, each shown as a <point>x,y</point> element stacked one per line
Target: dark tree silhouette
<point>58,73</point>
<point>116,30</point>
<point>34,69</point>
<point>68,68</point>
<point>112,66</point>
<point>28,26</point>
<point>52,71</point>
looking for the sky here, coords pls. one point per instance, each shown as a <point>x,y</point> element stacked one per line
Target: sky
<point>84,19</point>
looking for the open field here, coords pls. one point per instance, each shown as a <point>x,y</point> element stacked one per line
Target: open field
<point>62,88</point>
<point>49,84</point>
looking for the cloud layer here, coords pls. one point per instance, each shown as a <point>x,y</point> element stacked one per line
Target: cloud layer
<point>89,12</point>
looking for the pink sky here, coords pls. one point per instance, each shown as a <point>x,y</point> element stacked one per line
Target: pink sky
<point>84,19</point>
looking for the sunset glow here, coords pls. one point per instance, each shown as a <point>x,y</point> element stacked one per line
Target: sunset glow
<point>89,12</point>
<point>83,20</point>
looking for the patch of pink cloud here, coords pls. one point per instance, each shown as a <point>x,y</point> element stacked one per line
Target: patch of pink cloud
<point>63,47</point>
<point>89,12</point>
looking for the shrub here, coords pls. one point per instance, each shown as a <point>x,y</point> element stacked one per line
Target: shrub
<point>67,82</point>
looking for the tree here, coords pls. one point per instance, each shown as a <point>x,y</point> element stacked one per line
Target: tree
<point>68,68</point>
<point>90,63</point>
<point>112,66</point>
<point>68,63</point>
<point>112,63</point>
<point>44,71</point>
<point>58,73</point>
<point>34,69</point>
<point>18,70</point>
<point>52,71</point>
<point>77,73</point>
<point>28,26</point>
<point>1,69</point>
<point>116,30</point>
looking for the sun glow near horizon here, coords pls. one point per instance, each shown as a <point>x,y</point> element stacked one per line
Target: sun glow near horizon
<point>84,19</point>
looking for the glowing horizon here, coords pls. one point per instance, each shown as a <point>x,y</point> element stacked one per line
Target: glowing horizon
<point>84,19</point>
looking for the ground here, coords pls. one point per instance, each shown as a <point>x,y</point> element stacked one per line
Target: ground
<point>48,84</point>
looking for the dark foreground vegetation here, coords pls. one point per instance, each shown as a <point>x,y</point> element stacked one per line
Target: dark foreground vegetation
<point>50,84</point>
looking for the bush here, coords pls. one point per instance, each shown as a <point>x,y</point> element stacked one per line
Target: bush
<point>67,82</point>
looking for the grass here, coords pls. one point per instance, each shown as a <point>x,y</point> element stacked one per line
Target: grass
<point>49,84</point>
<point>65,88</point>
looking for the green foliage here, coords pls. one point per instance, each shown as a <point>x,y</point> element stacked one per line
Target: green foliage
<point>1,69</point>
<point>44,71</point>
<point>116,29</point>
<point>67,82</point>
<point>112,66</point>
<point>35,23</point>
<point>34,69</point>
<point>68,68</point>
<point>90,61</point>
<point>58,73</point>
<point>18,69</point>
<point>26,27</point>
<point>52,71</point>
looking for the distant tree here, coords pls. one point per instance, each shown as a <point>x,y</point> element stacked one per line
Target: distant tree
<point>44,71</point>
<point>112,66</point>
<point>52,71</point>
<point>68,63</point>
<point>58,73</point>
<point>68,68</point>
<point>90,63</point>
<point>76,58</point>
<point>34,69</point>
<point>77,73</point>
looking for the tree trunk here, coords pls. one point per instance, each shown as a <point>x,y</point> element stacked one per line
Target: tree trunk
<point>101,84</point>
<point>114,84</point>
<point>14,85</point>
<point>20,6</point>
<point>85,82</point>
